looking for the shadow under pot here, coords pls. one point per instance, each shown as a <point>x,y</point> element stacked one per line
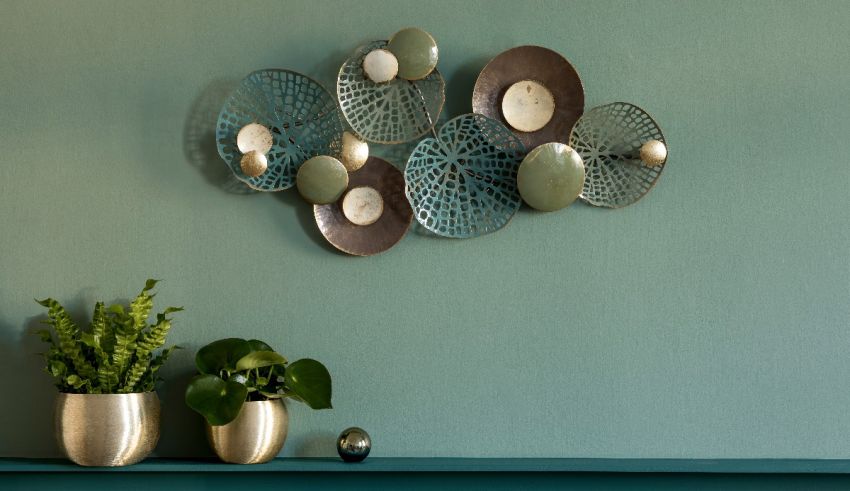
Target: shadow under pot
<point>107,429</point>
<point>256,436</point>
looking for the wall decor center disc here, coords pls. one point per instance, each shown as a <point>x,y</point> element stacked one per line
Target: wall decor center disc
<point>463,183</point>
<point>543,67</point>
<point>390,223</point>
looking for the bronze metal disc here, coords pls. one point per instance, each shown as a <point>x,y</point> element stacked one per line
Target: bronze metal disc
<point>367,240</point>
<point>541,65</point>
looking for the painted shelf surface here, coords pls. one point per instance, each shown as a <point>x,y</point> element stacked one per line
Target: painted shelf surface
<point>729,466</point>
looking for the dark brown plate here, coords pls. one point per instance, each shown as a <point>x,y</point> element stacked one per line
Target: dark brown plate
<point>541,65</point>
<point>367,240</point>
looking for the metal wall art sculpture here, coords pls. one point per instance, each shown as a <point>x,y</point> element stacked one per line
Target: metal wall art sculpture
<point>528,139</point>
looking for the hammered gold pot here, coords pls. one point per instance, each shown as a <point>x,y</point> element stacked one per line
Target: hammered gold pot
<point>257,435</point>
<point>107,429</point>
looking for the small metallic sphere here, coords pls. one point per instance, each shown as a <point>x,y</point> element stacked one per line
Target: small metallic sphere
<point>653,153</point>
<point>254,163</point>
<point>355,152</point>
<point>353,444</point>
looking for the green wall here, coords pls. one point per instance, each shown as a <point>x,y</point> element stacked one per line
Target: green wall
<point>708,320</point>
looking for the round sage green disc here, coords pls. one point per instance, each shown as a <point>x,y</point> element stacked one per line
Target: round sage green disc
<point>321,180</point>
<point>416,52</point>
<point>551,177</point>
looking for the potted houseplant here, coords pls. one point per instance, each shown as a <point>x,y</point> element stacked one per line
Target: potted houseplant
<point>240,391</point>
<point>107,413</point>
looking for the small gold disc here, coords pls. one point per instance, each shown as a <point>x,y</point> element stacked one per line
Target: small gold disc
<point>355,152</point>
<point>380,66</point>
<point>254,163</point>
<point>363,205</point>
<point>254,136</point>
<point>528,106</point>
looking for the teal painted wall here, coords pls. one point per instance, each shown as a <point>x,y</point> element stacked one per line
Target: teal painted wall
<point>708,320</point>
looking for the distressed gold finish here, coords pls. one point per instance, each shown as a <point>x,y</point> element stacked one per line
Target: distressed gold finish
<point>257,435</point>
<point>543,66</point>
<point>653,153</point>
<point>107,429</point>
<point>254,164</point>
<point>387,230</point>
<point>528,106</point>
<point>362,205</point>
<point>355,152</point>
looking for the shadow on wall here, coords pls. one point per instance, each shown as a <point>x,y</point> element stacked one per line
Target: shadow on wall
<point>460,86</point>
<point>306,218</point>
<point>316,444</point>
<point>182,432</point>
<point>199,146</point>
<point>28,394</point>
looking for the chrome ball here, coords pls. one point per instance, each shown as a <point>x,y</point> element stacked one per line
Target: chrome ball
<point>353,444</point>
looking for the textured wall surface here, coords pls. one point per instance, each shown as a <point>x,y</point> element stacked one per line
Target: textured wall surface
<point>708,320</point>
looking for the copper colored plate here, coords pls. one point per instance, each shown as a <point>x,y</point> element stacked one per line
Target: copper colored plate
<point>541,65</point>
<point>366,240</point>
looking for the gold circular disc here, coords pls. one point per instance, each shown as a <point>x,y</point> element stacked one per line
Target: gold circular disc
<point>528,106</point>
<point>355,152</point>
<point>380,66</point>
<point>254,163</point>
<point>387,230</point>
<point>363,205</point>
<point>254,136</point>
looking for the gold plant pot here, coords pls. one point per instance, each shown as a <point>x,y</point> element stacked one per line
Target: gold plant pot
<point>107,429</point>
<point>255,436</point>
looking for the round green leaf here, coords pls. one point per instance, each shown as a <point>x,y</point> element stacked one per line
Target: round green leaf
<point>216,400</point>
<point>221,355</point>
<point>257,345</point>
<point>310,380</point>
<point>259,359</point>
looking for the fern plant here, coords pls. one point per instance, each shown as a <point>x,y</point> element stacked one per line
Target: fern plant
<point>116,354</point>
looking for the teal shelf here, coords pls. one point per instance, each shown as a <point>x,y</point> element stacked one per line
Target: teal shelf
<point>449,465</point>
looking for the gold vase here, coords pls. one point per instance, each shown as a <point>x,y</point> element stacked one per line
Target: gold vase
<point>107,429</point>
<point>257,435</point>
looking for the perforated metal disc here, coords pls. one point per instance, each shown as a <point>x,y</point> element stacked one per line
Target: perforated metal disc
<point>301,114</point>
<point>463,184</point>
<point>609,138</point>
<point>393,112</point>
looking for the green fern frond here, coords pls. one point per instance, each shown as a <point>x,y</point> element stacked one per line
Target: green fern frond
<point>68,335</point>
<point>149,382</point>
<point>141,306</point>
<point>154,337</point>
<point>135,373</point>
<point>115,354</point>
<point>123,352</point>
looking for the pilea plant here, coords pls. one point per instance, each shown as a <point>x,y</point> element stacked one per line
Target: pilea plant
<point>234,370</point>
<point>117,354</point>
